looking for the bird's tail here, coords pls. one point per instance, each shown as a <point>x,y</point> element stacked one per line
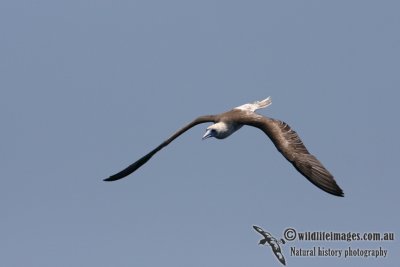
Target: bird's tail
<point>256,105</point>
<point>263,103</point>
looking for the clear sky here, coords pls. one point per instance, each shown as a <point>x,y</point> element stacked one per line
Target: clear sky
<point>88,87</point>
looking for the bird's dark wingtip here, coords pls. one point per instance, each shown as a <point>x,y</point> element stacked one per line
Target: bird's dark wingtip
<point>335,190</point>
<point>113,178</point>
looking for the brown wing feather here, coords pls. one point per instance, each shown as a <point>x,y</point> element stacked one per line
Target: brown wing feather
<point>136,165</point>
<point>292,148</point>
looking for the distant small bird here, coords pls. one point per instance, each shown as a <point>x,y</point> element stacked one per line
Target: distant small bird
<point>273,242</point>
<point>284,138</point>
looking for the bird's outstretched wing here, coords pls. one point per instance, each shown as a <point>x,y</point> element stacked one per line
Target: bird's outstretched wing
<point>276,249</point>
<point>292,148</point>
<point>136,165</point>
<point>262,232</point>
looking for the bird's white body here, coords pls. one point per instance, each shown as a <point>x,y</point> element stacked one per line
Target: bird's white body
<point>223,129</point>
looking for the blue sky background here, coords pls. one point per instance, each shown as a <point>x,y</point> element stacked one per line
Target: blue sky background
<point>88,87</point>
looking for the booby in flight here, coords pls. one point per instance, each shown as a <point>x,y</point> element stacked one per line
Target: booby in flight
<point>273,242</point>
<point>284,138</point>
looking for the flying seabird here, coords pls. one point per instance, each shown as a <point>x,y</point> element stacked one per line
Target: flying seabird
<point>273,242</point>
<point>284,138</point>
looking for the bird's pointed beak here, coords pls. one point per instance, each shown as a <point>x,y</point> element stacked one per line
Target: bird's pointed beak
<point>208,134</point>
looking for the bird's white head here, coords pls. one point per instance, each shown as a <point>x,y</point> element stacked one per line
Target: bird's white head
<point>218,130</point>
